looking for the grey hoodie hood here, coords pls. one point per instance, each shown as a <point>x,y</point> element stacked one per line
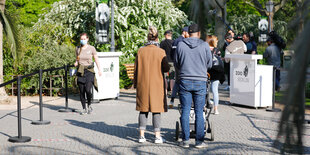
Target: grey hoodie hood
<point>193,42</point>
<point>193,58</point>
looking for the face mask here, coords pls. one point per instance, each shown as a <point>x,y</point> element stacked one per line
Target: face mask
<point>83,42</point>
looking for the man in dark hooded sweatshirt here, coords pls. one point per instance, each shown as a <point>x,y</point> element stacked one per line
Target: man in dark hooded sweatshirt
<point>193,58</point>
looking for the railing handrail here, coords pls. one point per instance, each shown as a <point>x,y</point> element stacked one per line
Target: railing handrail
<point>33,73</point>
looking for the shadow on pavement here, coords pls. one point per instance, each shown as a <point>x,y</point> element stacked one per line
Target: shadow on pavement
<point>250,118</point>
<point>24,149</point>
<point>5,134</point>
<point>110,149</point>
<point>128,132</point>
<point>12,114</point>
<point>52,107</point>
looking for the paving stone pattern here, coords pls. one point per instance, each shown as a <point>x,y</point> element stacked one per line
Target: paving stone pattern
<point>112,129</point>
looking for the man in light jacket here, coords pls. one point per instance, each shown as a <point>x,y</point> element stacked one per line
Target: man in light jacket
<point>193,58</point>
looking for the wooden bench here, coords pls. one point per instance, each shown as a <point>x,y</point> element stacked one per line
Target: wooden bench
<point>130,68</point>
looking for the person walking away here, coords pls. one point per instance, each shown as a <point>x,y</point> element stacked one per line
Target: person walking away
<point>175,88</point>
<point>167,46</point>
<point>193,59</point>
<point>86,78</point>
<point>273,56</point>
<point>217,74</point>
<point>250,44</point>
<point>150,65</point>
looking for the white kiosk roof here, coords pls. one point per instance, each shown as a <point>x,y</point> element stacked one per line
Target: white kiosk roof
<point>244,56</point>
<point>109,54</point>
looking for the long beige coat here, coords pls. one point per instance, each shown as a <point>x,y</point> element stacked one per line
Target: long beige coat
<point>150,65</point>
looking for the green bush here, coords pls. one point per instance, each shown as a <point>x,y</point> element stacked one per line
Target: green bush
<point>67,19</point>
<point>50,42</point>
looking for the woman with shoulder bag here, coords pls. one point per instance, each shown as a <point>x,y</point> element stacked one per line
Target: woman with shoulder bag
<point>216,72</point>
<point>86,78</point>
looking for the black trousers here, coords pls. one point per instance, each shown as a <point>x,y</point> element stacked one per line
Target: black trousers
<point>85,84</point>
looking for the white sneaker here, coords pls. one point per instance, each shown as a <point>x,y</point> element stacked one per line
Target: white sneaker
<point>142,139</point>
<point>200,145</point>
<point>216,112</point>
<point>84,111</point>
<point>159,140</point>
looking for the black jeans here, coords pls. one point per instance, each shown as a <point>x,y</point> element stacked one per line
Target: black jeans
<point>85,84</point>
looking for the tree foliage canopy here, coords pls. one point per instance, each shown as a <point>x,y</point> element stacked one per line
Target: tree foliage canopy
<point>56,31</point>
<point>29,10</point>
<point>67,19</point>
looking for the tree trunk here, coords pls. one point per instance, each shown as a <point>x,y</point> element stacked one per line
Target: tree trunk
<point>299,14</point>
<point>3,95</point>
<point>220,28</point>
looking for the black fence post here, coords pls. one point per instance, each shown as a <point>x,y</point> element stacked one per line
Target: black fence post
<point>40,122</point>
<point>19,138</point>
<point>66,91</point>
<point>273,109</point>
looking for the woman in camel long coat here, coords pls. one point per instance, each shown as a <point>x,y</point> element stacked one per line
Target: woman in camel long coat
<point>150,65</point>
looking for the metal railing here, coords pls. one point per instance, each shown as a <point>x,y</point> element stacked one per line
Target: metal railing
<point>49,89</point>
<point>18,79</point>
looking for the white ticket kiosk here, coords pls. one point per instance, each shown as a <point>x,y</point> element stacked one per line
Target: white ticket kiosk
<point>108,82</point>
<point>250,84</point>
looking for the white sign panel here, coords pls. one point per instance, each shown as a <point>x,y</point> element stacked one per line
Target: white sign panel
<point>242,81</point>
<point>108,82</point>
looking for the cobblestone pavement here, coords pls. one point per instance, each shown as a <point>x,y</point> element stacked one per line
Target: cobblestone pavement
<point>112,129</point>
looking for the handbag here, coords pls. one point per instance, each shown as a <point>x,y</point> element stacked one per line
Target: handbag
<point>81,79</point>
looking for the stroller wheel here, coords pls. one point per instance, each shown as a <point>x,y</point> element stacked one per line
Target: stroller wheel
<point>212,131</point>
<point>177,131</point>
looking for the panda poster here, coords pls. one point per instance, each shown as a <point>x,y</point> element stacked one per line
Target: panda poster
<point>263,29</point>
<point>102,21</point>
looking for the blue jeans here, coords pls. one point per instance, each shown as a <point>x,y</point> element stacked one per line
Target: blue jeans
<point>191,90</point>
<point>214,90</point>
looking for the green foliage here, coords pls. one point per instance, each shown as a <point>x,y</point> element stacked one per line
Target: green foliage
<point>125,82</point>
<point>260,50</point>
<point>240,7</point>
<point>183,5</point>
<point>12,37</point>
<point>52,56</point>
<point>67,19</point>
<point>29,10</point>
<point>249,23</point>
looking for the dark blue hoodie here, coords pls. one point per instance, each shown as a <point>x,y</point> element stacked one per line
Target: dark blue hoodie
<point>193,58</point>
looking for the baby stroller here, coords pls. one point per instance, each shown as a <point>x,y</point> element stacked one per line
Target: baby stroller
<point>209,128</point>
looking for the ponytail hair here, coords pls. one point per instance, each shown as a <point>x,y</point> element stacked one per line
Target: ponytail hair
<point>153,33</point>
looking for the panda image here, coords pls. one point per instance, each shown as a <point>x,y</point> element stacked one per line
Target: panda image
<point>102,22</point>
<point>263,25</point>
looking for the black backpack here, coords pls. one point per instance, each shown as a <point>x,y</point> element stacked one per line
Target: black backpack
<point>277,39</point>
<point>216,60</point>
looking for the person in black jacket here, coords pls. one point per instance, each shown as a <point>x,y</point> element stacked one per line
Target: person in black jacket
<point>167,46</point>
<point>217,74</point>
<point>175,88</point>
